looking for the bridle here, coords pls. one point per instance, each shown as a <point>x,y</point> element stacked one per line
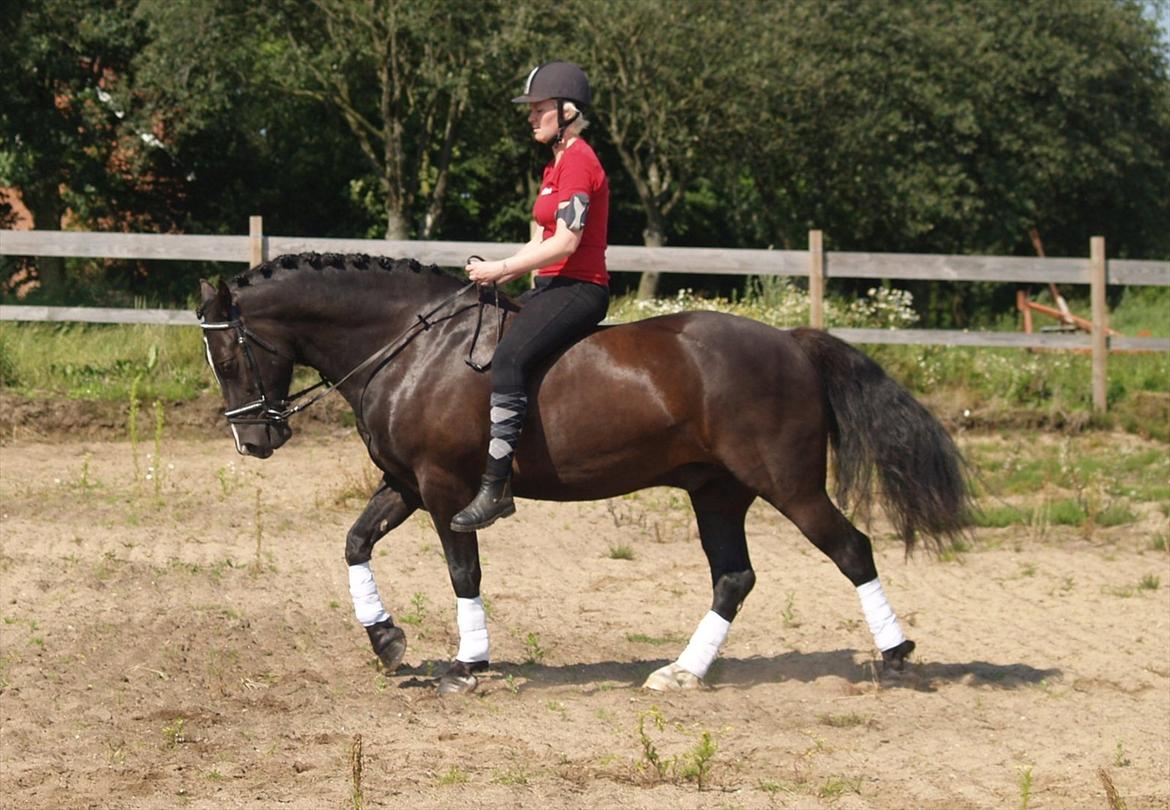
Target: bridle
<point>271,413</point>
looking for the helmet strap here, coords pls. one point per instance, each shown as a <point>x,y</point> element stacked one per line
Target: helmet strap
<point>562,124</point>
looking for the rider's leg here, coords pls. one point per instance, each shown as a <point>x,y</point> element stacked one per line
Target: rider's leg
<point>554,315</point>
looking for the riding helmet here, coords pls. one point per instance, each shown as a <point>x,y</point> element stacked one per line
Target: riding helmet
<point>557,79</point>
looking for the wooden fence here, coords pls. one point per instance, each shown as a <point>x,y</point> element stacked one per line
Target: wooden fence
<point>816,264</point>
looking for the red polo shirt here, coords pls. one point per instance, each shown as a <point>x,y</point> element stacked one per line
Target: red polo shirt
<point>579,172</point>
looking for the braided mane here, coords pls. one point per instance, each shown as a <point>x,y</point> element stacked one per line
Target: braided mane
<point>347,262</point>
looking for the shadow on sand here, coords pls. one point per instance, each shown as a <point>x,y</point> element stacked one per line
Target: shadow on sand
<point>803,667</point>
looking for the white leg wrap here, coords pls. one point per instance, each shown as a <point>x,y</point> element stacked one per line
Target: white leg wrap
<point>704,645</point>
<point>367,604</point>
<point>887,633</point>
<point>473,634</point>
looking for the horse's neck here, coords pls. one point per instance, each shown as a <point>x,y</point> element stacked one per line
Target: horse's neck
<point>336,326</point>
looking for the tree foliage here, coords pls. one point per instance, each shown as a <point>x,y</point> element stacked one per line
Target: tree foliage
<point>937,126</point>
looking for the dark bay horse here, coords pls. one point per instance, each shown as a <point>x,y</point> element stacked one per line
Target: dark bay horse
<point>724,407</point>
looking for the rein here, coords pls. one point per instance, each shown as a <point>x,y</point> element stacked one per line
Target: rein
<point>271,413</point>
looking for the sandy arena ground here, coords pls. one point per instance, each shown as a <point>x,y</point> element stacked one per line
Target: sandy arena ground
<point>193,645</point>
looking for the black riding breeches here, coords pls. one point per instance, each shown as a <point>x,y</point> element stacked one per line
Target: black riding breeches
<point>556,312</point>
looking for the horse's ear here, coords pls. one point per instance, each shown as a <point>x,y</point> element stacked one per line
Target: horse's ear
<point>217,299</point>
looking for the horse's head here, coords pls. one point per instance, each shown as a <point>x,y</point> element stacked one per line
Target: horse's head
<point>254,373</point>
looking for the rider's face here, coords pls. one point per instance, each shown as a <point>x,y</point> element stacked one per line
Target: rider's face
<point>542,117</point>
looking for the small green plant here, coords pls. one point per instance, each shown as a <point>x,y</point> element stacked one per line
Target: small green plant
<point>836,786</point>
<point>1149,583</point>
<point>1115,514</point>
<point>512,776</point>
<point>1028,570</point>
<point>1068,512</point>
<point>133,428</point>
<point>156,464</point>
<point>657,641</point>
<point>510,683</point>
<point>697,762</point>
<point>84,483</point>
<point>258,563</point>
<point>843,720</point>
<point>1161,542</point>
<point>173,733</point>
<point>533,652</point>
<point>1025,783</point>
<point>650,756</point>
<point>788,614</point>
<point>454,776</point>
<point>621,552</point>
<point>693,765</point>
<point>418,609</point>
<point>226,476</point>
<point>1119,757</point>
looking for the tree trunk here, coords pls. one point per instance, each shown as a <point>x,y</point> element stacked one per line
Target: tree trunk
<point>653,236</point>
<point>396,225</point>
<point>46,209</point>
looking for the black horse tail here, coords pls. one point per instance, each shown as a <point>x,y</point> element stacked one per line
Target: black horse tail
<point>876,424</point>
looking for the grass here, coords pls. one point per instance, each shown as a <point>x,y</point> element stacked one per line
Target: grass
<point>657,641</point>
<point>102,361</point>
<point>621,552</point>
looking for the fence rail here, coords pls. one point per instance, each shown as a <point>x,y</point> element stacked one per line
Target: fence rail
<point>816,264</point>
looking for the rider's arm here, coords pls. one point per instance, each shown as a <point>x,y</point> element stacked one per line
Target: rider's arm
<point>533,255</point>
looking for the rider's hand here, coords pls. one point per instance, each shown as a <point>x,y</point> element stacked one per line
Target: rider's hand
<point>486,272</point>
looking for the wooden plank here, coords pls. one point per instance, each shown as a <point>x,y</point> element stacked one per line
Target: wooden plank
<point>816,279</point>
<point>621,258</point>
<point>165,317</point>
<point>928,267</point>
<point>1138,271</point>
<point>167,246</point>
<point>257,254</point>
<point>908,337</point>
<point>958,337</point>
<point>1100,323</point>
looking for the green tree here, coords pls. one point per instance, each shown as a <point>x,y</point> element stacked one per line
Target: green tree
<point>662,73</point>
<point>402,77</point>
<point>60,137</point>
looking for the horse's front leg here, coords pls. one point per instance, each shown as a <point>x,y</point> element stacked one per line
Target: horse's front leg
<point>386,510</point>
<point>462,552</point>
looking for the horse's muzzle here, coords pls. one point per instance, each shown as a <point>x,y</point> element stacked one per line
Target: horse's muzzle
<point>261,441</point>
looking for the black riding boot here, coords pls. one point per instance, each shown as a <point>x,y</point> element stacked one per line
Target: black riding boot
<point>494,499</point>
<point>492,502</point>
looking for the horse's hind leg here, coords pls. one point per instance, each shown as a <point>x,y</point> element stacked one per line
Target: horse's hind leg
<point>830,531</point>
<point>720,507</point>
<point>387,509</point>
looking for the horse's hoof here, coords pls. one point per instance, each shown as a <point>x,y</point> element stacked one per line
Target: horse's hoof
<point>459,679</point>
<point>389,643</point>
<point>894,659</point>
<point>671,678</point>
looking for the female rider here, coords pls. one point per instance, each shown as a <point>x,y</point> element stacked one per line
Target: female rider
<point>572,286</point>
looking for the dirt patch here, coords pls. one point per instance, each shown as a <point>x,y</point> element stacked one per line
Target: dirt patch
<point>186,640</point>
<point>45,418</point>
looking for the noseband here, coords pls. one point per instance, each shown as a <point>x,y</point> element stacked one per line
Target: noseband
<point>263,411</point>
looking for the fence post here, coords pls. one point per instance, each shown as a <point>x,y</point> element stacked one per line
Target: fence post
<point>256,254</point>
<point>1097,281</point>
<point>816,280</point>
